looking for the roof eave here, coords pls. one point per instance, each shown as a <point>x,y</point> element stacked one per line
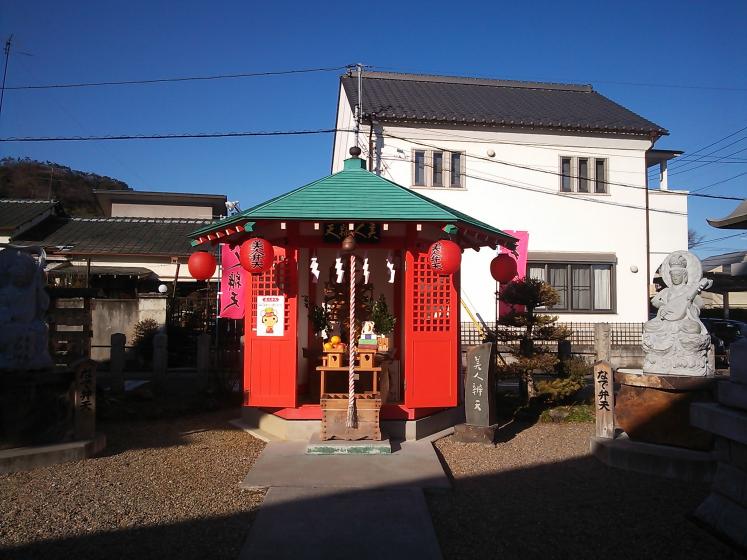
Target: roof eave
<point>628,131</point>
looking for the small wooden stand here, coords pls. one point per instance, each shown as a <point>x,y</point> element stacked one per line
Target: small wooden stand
<point>364,365</point>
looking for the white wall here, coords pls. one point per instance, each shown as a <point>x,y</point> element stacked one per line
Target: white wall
<point>511,197</point>
<point>131,210</point>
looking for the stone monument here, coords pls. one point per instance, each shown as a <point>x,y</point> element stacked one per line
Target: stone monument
<point>676,342</point>
<point>479,397</point>
<point>23,305</point>
<point>653,404</point>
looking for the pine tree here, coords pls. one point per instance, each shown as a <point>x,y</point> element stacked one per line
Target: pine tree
<point>523,329</point>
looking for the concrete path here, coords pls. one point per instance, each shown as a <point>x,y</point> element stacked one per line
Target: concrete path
<point>344,506</point>
<point>332,523</point>
<point>413,465</point>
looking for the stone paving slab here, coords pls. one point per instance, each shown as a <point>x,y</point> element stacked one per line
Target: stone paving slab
<point>286,464</point>
<point>338,523</point>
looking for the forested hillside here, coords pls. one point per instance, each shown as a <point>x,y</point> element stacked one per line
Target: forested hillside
<point>25,178</point>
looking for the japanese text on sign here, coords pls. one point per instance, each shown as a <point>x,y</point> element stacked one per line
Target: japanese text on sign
<point>603,394</point>
<point>232,284</point>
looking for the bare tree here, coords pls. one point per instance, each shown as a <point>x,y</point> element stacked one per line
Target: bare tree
<point>694,238</point>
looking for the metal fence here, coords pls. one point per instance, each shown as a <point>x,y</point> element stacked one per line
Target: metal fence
<point>582,334</point>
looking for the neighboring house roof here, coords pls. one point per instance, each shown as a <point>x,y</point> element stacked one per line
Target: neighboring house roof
<point>475,101</point>
<point>736,220</point>
<point>725,261</point>
<point>113,236</point>
<point>105,198</point>
<point>81,270</point>
<point>18,215</point>
<point>356,194</point>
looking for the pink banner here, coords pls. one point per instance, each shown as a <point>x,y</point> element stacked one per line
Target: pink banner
<point>233,282</point>
<point>522,248</point>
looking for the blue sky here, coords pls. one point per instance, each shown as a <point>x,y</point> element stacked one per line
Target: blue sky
<point>698,47</point>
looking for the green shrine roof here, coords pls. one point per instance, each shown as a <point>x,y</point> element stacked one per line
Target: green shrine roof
<point>357,194</point>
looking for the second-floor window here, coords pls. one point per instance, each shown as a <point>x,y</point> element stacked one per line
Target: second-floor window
<point>583,175</point>
<point>438,169</point>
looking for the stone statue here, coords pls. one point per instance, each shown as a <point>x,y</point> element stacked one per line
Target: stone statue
<point>23,305</point>
<point>676,342</point>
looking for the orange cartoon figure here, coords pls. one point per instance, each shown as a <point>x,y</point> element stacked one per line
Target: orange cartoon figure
<point>269,320</point>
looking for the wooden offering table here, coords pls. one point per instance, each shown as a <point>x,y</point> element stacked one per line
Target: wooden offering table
<point>332,363</point>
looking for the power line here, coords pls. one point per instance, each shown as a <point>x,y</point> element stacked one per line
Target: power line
<point>709,154</point>
<point>169,136</point>
<point>719,182</point>
<point>546,171</point>
<point>181,79</point>
<point>691,154</point>
<point>704,164</point>
<point>5,71</point>
<point>588,81</point>
<point>718,239</point>
<point>541,190</point>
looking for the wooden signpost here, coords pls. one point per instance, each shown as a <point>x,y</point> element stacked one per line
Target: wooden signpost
<point>85,399</point>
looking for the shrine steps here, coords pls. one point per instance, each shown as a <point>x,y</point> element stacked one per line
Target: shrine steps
<point>270,427</point>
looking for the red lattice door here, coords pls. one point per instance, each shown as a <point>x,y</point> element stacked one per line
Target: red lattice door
<point>270,362</point>
<point>431,323</point>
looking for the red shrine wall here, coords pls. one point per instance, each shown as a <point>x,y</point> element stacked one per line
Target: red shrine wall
<point>277,369</point>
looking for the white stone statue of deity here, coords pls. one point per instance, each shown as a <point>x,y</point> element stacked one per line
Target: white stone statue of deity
<point>23,305</point>
<point>676,342</point>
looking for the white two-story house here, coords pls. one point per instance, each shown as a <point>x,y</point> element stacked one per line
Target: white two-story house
<point>562,162</point>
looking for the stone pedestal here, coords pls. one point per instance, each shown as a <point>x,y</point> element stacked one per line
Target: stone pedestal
<point>725,509</point>
<point>467,433</point>
<point>656,408</point>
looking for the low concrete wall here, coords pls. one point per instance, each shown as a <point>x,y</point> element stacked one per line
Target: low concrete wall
<point>111,316</point>
<point>623,356</point>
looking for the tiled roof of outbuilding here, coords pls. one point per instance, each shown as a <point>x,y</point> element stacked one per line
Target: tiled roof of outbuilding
<point>15,213</point>
<point>114,236</point>
<point>483,102</point>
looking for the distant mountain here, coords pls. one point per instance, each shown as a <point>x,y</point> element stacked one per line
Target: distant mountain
<point>27,178</point>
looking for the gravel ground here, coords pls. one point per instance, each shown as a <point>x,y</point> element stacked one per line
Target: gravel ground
<point>540,495</point>
<point>161,489</point>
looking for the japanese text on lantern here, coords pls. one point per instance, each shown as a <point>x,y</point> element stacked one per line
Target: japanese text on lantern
<point>436,257</point>
<point>257,253</point>
<point>232,284</point>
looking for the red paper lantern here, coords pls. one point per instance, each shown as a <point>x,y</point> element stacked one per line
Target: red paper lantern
<point>444,257</point>
<point>503,268</point>
<point>256,255</point>
<point>201,265</point>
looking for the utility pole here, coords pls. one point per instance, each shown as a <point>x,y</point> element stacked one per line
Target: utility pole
<point>359,105</point>
<point>5,70</point>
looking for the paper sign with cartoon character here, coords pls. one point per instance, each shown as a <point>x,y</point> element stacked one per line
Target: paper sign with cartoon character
<point>270,310</point>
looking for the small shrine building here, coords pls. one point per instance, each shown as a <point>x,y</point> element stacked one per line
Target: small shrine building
<point>393,228</point>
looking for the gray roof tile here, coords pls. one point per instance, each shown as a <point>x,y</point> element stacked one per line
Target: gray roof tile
<point>474,101</point>
<point>15,213</point>
<point>115,236</point>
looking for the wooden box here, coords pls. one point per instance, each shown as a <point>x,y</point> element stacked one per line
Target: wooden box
<point>333,358</point>
<point>335,412</point>
<point>366,359</point>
